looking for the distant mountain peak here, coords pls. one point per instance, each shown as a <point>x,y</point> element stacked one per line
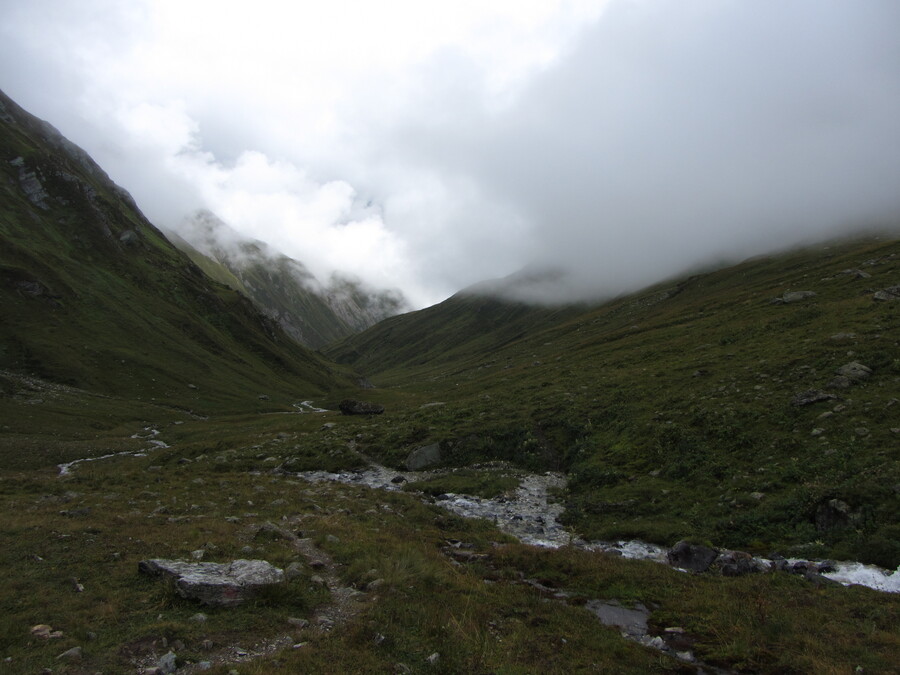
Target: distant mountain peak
<point>312,312</point>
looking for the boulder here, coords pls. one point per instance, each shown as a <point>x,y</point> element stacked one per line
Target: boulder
<point>691,557</point>
<point>890,293</point>
<point>811,396</point>
<point>737,564</point>
<point>832,514</point>
<point>216,584</point>
<point>797,296</point>
<point>351,406</point>
<point>423,457</point>
<point>854,371</point>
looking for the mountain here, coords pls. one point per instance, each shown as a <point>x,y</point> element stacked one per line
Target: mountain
<point>95,297</point>
<point>146,415</point>
<point>281,287</point>
<point>754,406</point>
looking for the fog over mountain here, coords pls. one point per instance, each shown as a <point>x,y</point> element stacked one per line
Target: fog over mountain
<point>429,148</point>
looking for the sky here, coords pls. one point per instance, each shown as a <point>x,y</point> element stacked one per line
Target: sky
<point>428,146</point>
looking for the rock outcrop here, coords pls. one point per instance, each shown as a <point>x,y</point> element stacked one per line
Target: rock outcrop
<point>216,584</point>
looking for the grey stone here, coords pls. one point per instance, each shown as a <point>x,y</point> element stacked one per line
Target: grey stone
<point>631,621</point>
<point>797,296</point>
<point>216,584</point>
<point>423,457</point>
<point>130,238</point>
<point>886,294</point>
<point>434,659</point>
<point>811,396</point>
<point>297,622</point>
<point>854,370</point>
<point>73,654</point>
<point>167,663</point>
<point>294,570</point>
<point>692,557</point>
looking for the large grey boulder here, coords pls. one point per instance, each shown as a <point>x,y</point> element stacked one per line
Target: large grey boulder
<point>886,294</point>
<point>692,557</point>
<point>854,370</point>
<point>216,584</point>
<point>423,457</point>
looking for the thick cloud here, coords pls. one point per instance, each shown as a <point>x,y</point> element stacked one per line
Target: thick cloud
<point>430,148</point>
<point>682,133</point>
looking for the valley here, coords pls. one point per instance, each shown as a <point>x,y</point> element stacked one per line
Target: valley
<point>489,513</point>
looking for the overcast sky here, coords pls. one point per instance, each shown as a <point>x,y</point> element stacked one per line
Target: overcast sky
<point>431,145</point>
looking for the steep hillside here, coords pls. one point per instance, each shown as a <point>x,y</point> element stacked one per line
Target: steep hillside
<point>283,288</point>
<point>723,405</point>
<point>94,297</point>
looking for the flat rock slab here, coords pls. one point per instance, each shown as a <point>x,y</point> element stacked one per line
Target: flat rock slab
<point>216,584</point>
<point>631,621</point>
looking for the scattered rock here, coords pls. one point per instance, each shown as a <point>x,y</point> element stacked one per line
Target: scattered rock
<point>73,654</point>
<point>216,584</point>
<point>854,371</point>
<point>843,336</point>
<point>692,557</point>
<point>294,570</point>
<point>199,617</point>
<point>328,425</point>
<point>839,382</point>
<point>737,564</point>
<point>351,406</point>
<point>632,621</point>
<point>129,238</point>
<point>856,274</point>
<point>167,664</point>
<point>886,294</point>
<point>297,622</point>
<point>423,457</point>
<point>811,396</point>
<point>797,296</point>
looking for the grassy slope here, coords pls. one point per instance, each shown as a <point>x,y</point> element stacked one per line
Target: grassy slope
<point>214,489</point>
<point>138,320</point>
<point>671,407</point>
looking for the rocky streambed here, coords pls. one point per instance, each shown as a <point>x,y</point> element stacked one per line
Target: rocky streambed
<point>531,515</point>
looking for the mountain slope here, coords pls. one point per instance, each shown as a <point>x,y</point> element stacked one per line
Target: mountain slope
<point>682,410</point>
<point>95,297</point>
<point>281,287</point>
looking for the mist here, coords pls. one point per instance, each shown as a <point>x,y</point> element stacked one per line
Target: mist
<point>613,143</point>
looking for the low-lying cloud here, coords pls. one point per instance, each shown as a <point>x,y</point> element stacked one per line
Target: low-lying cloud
<point>620,141</point>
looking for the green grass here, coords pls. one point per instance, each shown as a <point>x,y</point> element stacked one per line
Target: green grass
<point>670,411</point>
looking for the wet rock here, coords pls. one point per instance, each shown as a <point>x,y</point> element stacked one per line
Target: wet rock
<point>216,584</point>
<point>423,457</point>
<point>351,406</point>
<point>737,564</point>
<point>811,396</point>
<point>691,557</point>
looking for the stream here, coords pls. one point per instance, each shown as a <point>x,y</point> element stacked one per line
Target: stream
<point>529,514</point>
<point>532,517</point>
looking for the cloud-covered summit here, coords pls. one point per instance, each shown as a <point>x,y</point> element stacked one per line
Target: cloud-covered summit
<point>621,141</point>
